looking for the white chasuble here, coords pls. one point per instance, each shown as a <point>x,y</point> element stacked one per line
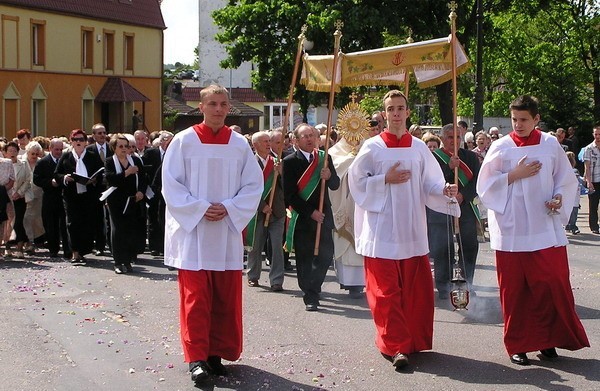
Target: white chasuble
<point>390,219</point>
<point>518,219</point>
<point>194,175</point>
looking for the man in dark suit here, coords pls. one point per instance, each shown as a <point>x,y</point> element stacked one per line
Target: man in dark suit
<point>440,238</point>
<point>276,212</point>
<point>152,162</point>
<point>100,147</point>
<point>53,211</point>
<point>303,198</point>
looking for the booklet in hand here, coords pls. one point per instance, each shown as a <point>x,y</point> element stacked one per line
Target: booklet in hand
<point>83,180</point>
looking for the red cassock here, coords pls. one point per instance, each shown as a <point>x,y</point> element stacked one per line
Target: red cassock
<point>400,295</point>
<point>211,314</point>
<point>537,301</point>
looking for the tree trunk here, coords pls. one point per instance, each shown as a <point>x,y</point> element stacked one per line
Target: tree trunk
<point>596,109</point>
<point>444,95</point>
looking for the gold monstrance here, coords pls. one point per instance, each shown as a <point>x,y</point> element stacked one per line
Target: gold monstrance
<point>352,123</point>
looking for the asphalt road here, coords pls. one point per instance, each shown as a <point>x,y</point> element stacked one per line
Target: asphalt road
<point>65,327</point>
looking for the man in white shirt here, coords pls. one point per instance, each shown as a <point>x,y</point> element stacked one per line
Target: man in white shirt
<point>591,162</point>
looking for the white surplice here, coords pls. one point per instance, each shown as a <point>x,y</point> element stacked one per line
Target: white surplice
<point>518,219</point>
<point>194,175</point>
<point>389,219</point>
<point>349,266</point>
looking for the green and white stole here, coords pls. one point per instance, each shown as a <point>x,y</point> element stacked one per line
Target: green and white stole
<point>268,178</point>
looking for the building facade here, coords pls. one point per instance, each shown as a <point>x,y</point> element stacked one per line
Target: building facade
<point>58,57</point>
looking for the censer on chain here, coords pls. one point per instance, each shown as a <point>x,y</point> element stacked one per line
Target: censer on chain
<point>459,295</point>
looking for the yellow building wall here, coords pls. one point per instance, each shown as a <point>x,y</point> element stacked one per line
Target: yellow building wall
<point>62,76</point>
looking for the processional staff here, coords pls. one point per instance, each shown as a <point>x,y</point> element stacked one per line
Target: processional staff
<point>284,131</point>
<point>336,50</point>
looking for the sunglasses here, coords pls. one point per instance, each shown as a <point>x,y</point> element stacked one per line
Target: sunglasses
<point>79,139</point>
<point>124,146</point>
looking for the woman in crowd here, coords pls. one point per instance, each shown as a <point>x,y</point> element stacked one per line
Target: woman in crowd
<point>482,144</point>
<point>415,131</point>
<point>7,181</point>
<point>79,194</point>
<point>23,138</point>
<point>34,226</point>
<point>433,142</point>
<point>140,218</point>
<point>18,195</point>
<point>124,174</point>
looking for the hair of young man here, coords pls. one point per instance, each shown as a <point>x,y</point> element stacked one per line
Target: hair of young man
<point>463,124</point>
<point>395,94</point>
<point>526,103</point>
<point>213,89</point>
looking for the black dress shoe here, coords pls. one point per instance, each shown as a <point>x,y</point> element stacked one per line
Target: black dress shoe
<point>119,269</point>
<point>549,353</point>
<point>199,371</point>
<point>154,253</point>
<point>519,359</point>
<point>400,360</point>
<point>215,366</point>
<point>129,268</point>
<point>99,253</point>
<point>311,307</point>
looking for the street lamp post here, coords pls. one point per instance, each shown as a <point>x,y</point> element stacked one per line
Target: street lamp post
<point>478,101</point>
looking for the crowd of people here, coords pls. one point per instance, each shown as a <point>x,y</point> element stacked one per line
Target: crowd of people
<point>380,211</point>
<point>83,194</point>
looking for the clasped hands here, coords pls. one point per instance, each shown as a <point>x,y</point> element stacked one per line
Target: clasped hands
<point>215,212</point>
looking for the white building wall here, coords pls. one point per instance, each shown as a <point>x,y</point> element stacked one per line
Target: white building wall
<point>211,52</point>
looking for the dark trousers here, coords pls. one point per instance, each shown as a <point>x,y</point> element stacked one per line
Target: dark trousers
<point>156,228</point>
<point>55,225</point>
<point>310,269</point>
<point>123,231</point>
<point>441,249</point>
<point>99,226</point>
<point>594,200</point>
<point>20,206</point>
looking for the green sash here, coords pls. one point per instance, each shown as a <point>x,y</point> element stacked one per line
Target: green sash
<point>249,232</point>
<point>307,184</point>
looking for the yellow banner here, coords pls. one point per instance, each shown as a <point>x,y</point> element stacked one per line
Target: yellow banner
<point>430,62</point>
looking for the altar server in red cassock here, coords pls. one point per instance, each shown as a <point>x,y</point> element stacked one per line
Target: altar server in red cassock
<point>212,187</point>
<point>392,179</point>
<point>524,178</point>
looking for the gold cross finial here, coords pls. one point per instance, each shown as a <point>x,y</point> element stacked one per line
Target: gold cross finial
<point>338,24</point>
<point>353,96</point>
<point>303,31</point>
<point>453,6</point>
<point>410,38</point>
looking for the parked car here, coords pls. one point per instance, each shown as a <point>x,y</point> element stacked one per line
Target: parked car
<point>186,74</point>
<point>196,75</point>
